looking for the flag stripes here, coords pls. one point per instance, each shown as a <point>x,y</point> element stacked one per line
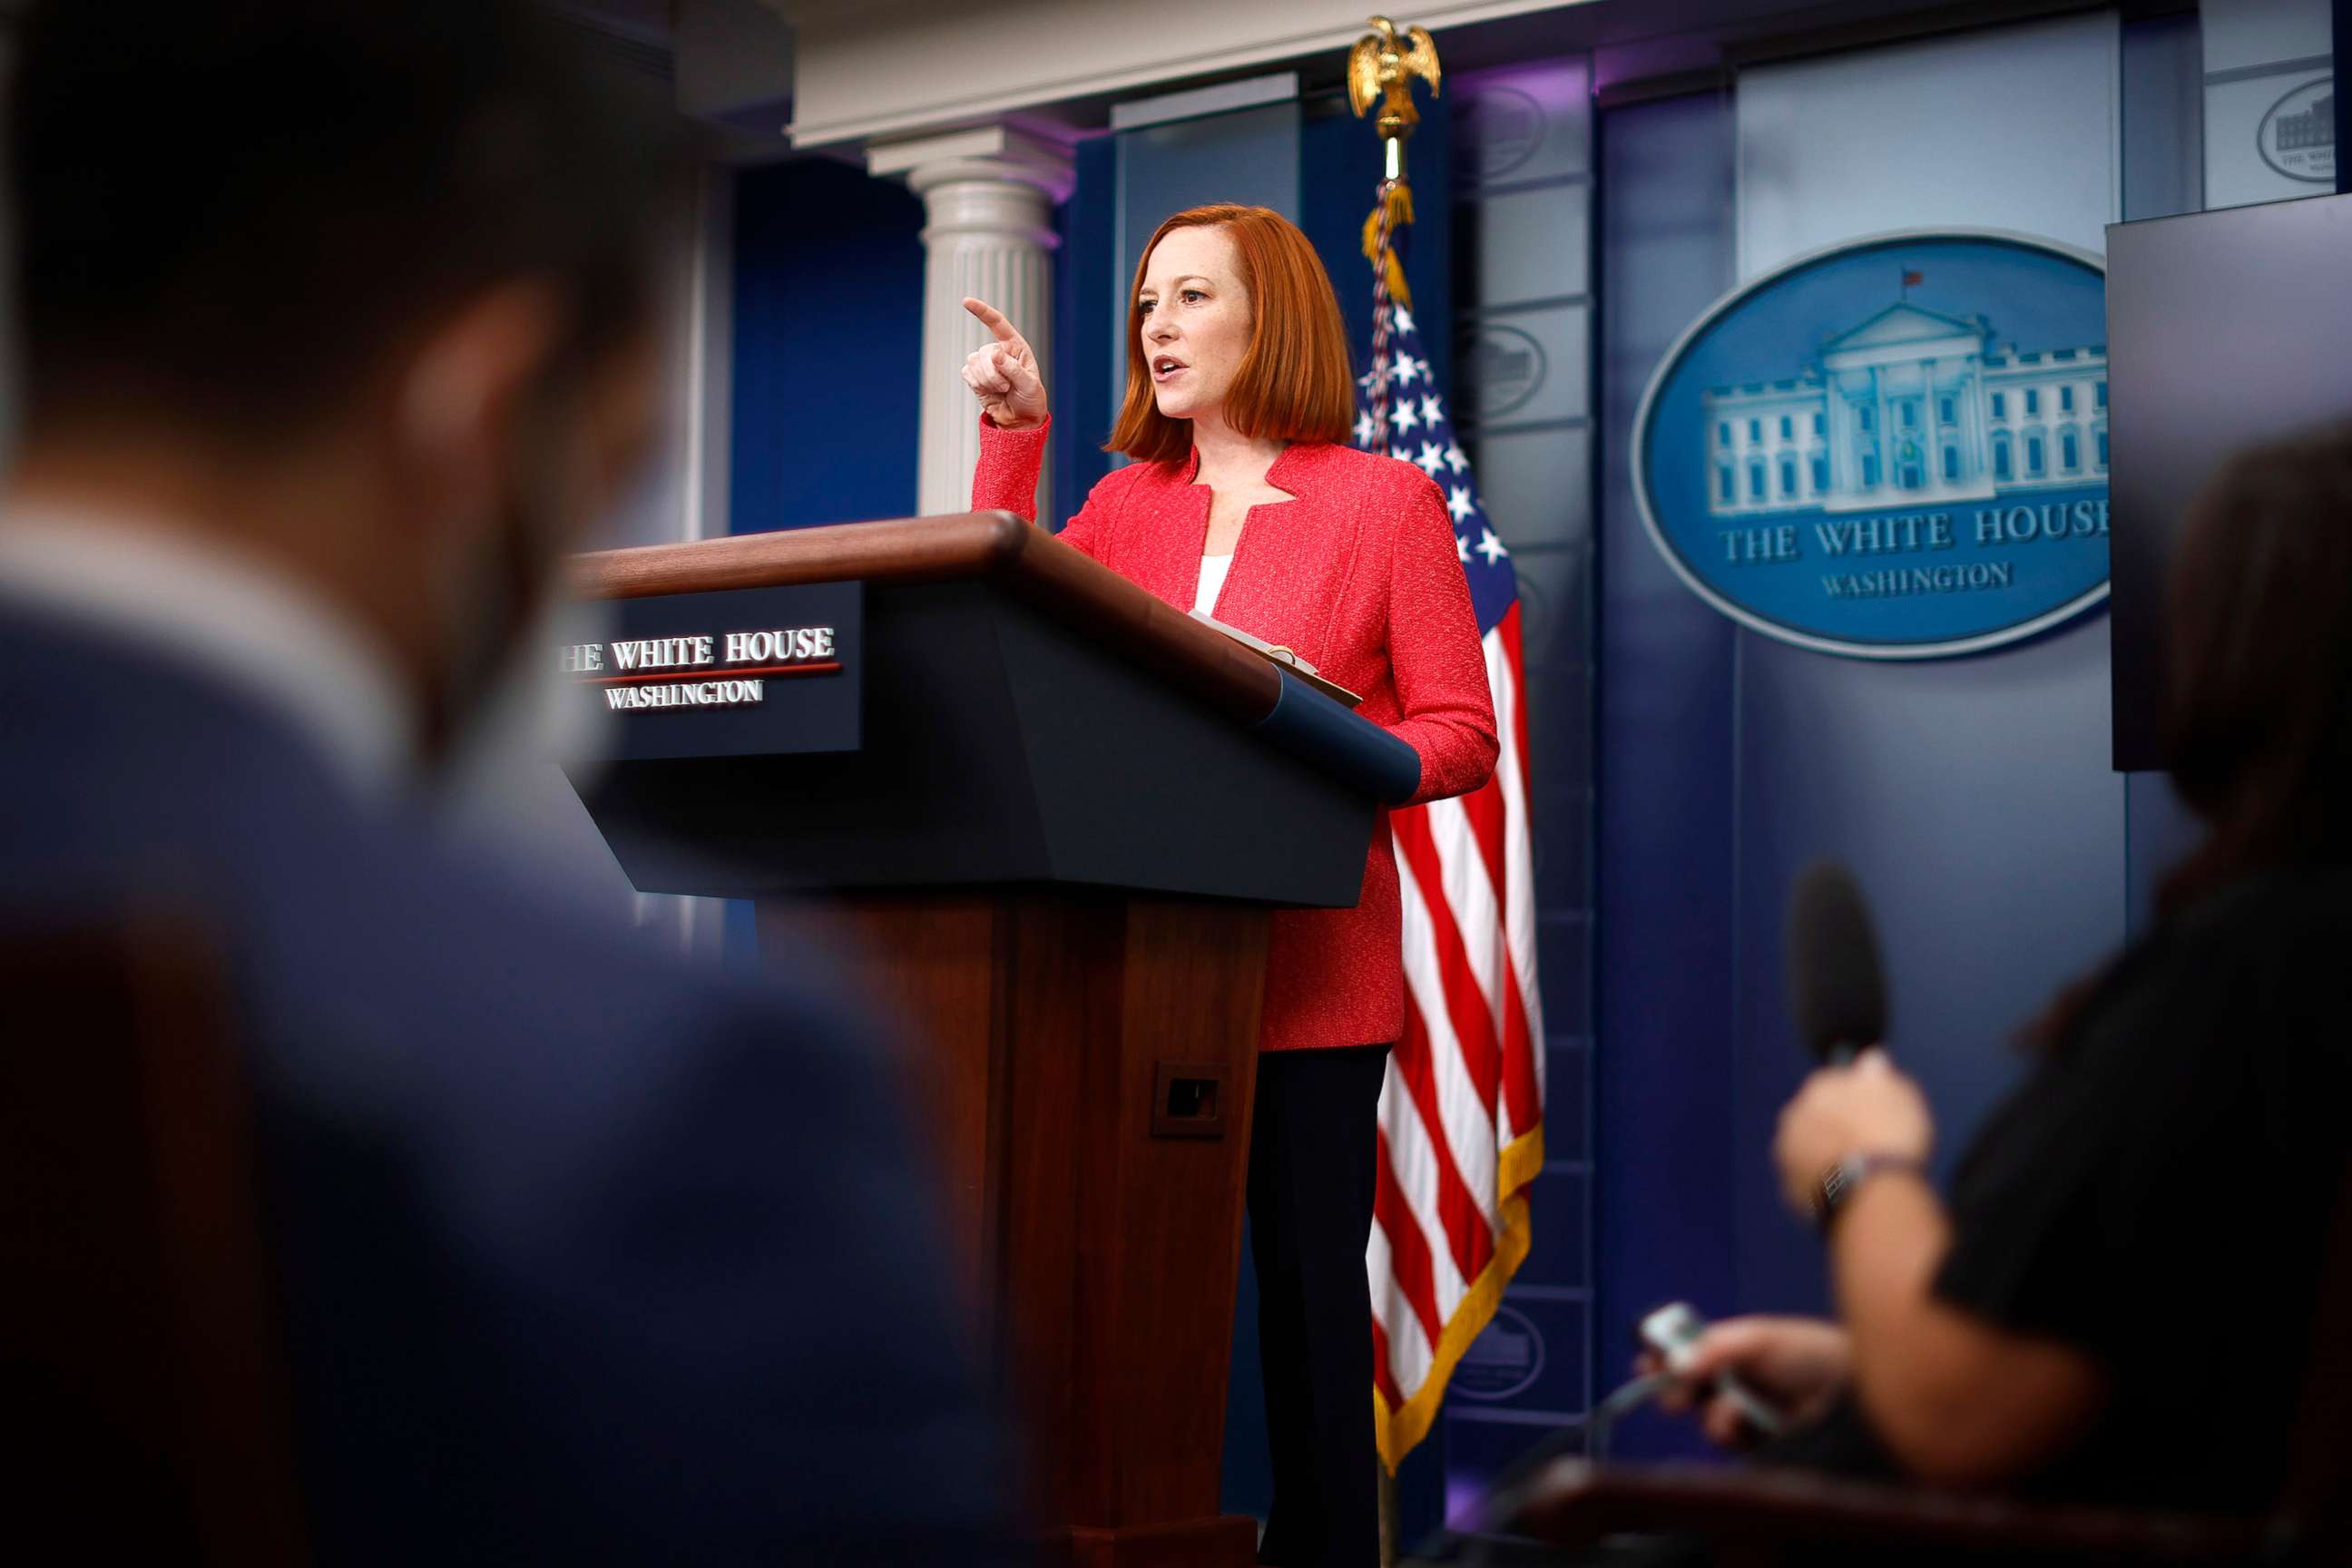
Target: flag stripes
<point>1461,1118</point>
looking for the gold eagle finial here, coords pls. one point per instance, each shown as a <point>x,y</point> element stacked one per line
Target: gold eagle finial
<point>1381,67</point>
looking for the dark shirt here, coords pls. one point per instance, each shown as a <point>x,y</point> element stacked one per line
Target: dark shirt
<point>2157,1194</point>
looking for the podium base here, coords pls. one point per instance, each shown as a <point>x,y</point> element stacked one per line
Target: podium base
<point>1227,1542</point>
<point>1087,1066</point>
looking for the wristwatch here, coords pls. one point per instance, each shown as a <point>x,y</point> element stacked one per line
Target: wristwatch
<point>1849,1172</point>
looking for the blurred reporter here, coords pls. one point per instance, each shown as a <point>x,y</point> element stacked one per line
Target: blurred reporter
<point>2115,1301</point>
<point>337,330</point>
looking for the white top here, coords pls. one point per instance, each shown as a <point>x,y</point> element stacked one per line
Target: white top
<point>210,607</point>
<point>1213,582</point>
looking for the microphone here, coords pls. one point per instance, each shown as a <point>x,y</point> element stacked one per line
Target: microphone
<point>1836,989</point>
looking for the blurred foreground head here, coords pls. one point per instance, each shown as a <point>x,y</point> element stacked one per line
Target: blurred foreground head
<point>362,291</point>
<point>2260,715</point>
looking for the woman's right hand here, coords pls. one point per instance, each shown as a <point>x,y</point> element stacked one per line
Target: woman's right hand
<point>1003,374</point>
<point>1796,1365</point>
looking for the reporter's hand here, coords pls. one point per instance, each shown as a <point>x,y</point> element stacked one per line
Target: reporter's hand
<point>1795,1364</point>
<point>1864,1108</point>
<point>1003,374</point>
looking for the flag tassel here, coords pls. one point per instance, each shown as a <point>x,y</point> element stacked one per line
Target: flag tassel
<point>1392,211</point>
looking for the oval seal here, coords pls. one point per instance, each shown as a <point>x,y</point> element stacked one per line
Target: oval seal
<point>1506,1357</point>
<point>1506,367</point>
<point>1894,447</point>
<point>1497,131</point>
<point>2297,137</point>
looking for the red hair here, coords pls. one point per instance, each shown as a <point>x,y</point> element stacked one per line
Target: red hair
<point>1294,383</point>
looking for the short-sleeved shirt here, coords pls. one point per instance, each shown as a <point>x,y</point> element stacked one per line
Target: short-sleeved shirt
<point>2158,1194</point>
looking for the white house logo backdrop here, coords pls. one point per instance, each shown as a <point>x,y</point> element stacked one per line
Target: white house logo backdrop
<point>1892,448</point>
<point>2297,137</point>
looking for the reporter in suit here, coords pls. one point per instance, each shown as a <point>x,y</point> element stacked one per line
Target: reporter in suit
<point>336,329</point>
<point>1245,501</point>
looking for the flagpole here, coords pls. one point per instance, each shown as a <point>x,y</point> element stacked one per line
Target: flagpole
<point>1380,67</point>
<point>1423,1332</point>
<point>1391,193</point>
<point>1381,308</point>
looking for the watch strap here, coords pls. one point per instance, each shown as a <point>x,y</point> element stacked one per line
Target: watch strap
<point>1846,1175</point>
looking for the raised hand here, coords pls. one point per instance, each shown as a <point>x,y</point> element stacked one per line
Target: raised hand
<point>1003,374</point>
<point>1865,1107</point>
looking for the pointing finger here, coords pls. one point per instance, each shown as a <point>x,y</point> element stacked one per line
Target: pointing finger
<point>993,319</point>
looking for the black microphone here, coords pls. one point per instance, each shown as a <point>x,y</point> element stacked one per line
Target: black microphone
<point>1836,990</point>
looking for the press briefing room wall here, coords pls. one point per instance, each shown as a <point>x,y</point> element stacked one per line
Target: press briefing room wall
<point>1972,795</point>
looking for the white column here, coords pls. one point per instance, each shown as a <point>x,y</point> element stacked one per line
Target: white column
<point>988,197</point>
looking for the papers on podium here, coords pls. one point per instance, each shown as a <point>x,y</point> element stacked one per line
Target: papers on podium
<point>1273,653</point>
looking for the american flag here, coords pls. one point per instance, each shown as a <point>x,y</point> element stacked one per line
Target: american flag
<point>1461,1122</point>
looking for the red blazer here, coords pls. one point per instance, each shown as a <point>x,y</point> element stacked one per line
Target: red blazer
<point>1360,576</point>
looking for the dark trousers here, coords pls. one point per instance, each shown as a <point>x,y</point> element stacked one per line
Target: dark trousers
<point>1313,1144</point>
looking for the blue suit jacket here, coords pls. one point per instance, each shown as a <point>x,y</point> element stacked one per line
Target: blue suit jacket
<point>582,1256</point>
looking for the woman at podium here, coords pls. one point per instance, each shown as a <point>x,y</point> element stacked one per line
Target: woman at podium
<point>1244,503</point>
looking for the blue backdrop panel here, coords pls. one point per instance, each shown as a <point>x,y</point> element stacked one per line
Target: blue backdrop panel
<point>1973,797</point>
<point>1969,794</point>
<point>1250,156</point>
<point>828,342</point>
<point>828,346</point>
<point>2164,174</point>
<point>1993,884</point>
<point>1084,407</point>
<point>1667,939</point>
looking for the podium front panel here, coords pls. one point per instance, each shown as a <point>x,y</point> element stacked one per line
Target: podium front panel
<point>1001,746</point>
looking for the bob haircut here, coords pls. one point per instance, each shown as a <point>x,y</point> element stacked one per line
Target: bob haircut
<point>1294,383</point>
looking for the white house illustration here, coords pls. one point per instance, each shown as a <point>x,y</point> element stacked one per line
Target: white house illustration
<point>1911,408</point>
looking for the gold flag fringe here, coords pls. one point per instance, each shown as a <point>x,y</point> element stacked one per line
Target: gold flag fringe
<point>1395,208</point>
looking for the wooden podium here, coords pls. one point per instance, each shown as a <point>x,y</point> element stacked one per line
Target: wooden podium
<point>1051,847</point>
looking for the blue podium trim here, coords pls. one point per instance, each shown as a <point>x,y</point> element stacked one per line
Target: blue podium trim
<point>1356,751</point>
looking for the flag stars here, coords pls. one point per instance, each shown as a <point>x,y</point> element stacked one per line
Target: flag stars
<point>1489,546</point>
<point>1455,458</point>
<point>1408,370</point>
<point>1462,548</point>
<point>1364,428</point>
<point>1433,410</point>
<point>1458,502</point>
<point>1430,459</point>
<point>1402,318</point>
<point>1404,416</point>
